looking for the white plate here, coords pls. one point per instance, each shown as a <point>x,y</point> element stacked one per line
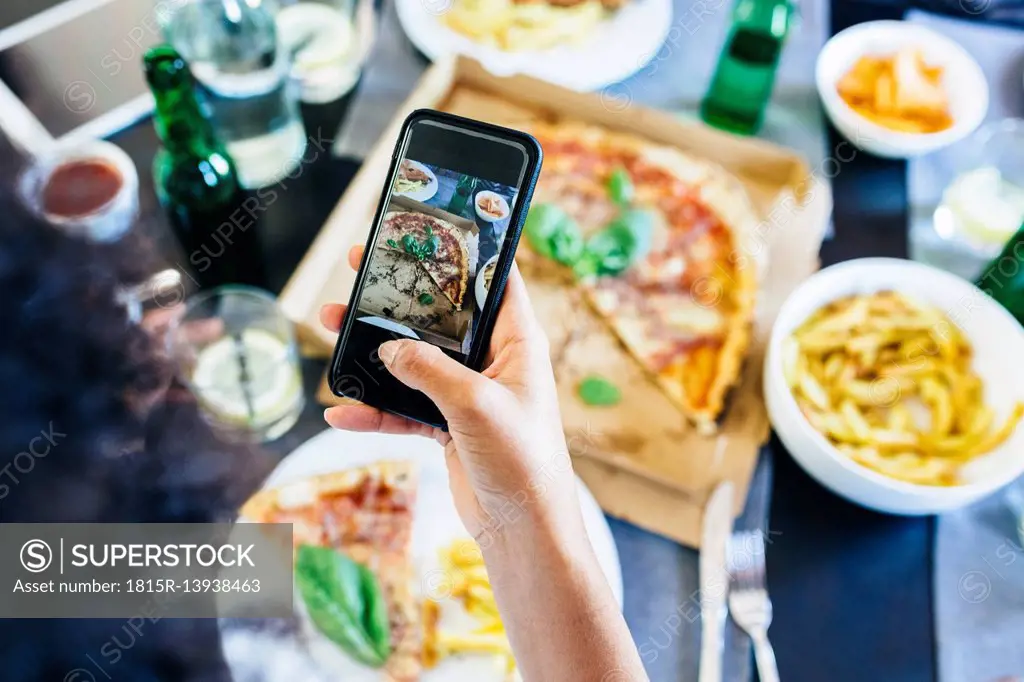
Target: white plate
<point>487,217</point>
<point>436,525</point>
<point>480,288</point>
<point>618,48</point>
<point>428,190</point>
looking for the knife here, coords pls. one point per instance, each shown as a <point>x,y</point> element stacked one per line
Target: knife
<point>714,580</point>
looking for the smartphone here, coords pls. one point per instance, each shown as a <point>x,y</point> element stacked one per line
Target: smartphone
<point>439,251</point>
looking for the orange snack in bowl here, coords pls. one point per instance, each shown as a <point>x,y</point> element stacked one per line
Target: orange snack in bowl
<point>899,92</point>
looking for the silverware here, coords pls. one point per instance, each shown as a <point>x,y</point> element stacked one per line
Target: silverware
<point>749,604</point>
<point>714,580</point>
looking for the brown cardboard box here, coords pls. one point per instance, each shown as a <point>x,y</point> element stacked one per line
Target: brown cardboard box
<point>640,458</point>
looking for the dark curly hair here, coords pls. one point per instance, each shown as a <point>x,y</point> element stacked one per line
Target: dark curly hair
<point>124,443</point>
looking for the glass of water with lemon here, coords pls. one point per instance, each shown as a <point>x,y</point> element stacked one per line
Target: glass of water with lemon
<point>237,353</point>
<point>981,208</point>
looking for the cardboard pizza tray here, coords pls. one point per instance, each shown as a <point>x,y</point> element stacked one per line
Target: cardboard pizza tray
<point>640,459</point>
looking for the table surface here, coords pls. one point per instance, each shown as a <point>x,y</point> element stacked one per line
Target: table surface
<point>851,588</point>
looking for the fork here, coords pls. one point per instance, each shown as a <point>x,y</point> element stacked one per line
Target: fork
<point>749,604</point>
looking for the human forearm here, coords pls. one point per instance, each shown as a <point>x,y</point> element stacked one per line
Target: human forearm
<point>561,617</point>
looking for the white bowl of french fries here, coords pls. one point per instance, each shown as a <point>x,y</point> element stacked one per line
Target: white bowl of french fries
<point>898,386</point>
<point>899,90</point>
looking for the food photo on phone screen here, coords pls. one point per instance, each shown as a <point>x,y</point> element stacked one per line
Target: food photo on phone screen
<point>431,266</point>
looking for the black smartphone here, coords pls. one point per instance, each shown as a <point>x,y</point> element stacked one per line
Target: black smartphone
<point>439,251</point>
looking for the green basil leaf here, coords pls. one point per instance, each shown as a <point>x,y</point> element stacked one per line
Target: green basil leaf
<point>375,617</point>
<point>620,187</point>
<point>621,243</point>
<point>392,243</point>
<point>409,244</point>
<point>598,391</point>
<point>425,298</point>
<point>553,234</point>
<point>343,603</point>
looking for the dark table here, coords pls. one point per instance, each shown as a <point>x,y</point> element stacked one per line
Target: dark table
<point>851,588</point>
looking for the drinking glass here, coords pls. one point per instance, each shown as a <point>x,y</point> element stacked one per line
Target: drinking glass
<point>237,353</point>
<point>981,208</point>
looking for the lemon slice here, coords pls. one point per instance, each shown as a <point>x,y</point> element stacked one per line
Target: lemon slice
<point>248,379</point>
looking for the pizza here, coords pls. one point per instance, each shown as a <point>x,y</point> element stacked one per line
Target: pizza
<point>367,514</point>
<point>440,247</point>
<point>684,310</point>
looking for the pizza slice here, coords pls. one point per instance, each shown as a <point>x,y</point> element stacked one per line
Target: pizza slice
<point>440,247</point>
<point>367,513</point>
<point>685,308</point>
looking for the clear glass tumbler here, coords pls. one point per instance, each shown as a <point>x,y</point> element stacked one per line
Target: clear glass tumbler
<point>981,208</point>
<point>237,352</point>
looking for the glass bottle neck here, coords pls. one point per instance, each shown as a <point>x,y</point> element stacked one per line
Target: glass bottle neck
<point>181,125</point>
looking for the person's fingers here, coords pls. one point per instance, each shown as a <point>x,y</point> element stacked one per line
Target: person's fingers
<point>517,324</point>
<point>366,418</point>
<point>355,256</point>
<point>331,315</point>
<point>452,386</point>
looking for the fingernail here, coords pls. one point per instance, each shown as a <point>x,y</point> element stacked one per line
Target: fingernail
<point>325,415</point>
<point>388,351</point>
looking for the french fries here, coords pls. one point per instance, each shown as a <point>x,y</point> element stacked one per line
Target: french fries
<point>899,92</point>
<point>465,573</point>
<point>888,381</point>
<point>524,26</point>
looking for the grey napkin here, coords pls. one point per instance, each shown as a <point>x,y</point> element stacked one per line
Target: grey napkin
<point>662,594</point>
<point>979,564</point>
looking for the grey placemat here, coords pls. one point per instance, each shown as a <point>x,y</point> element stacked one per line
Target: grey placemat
<point>1000,52</point>
<point>675,79</point>
<point>979,593</point>
<point>979,565</point>
<point>662,594</point>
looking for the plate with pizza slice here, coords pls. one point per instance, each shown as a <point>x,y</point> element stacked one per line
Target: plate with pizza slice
<point>383,500</point>
<point>658,244</point>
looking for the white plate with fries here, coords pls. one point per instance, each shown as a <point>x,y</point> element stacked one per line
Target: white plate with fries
<point>898,386</point>
<point>582,46</point>
<point>438,552</point>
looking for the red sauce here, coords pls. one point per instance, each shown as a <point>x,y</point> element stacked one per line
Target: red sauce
<point>81,188</point>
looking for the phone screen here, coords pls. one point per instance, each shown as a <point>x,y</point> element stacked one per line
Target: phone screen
<point>442,237</point>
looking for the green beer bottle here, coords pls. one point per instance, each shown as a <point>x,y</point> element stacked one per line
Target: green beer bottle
<point>196,180</point>
<point>745,74</point>
<point>1003,278</point>
<point>461,196</point>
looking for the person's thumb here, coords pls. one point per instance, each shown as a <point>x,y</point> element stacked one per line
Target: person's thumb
<point>427,369</point>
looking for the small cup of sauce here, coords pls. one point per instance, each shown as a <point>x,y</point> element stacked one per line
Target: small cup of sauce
<point>89,189</point>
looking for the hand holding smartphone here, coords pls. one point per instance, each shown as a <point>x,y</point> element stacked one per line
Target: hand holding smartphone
<point>438,254</point>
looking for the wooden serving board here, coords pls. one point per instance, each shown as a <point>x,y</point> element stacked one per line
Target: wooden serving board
<point>640,458</point>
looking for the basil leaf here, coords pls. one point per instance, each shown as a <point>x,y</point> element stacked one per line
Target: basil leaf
<point>620,187</point>
<point>432,244</point>
<point>621,243</point>
<point>344,601</point>
<point>409,244</point>
<point>597,391</point>
<point>375,618</point>
<point>425,298</point>
<point>392,243</point>
<point>553,234</point>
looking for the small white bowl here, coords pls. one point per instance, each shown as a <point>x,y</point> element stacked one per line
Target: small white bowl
<point>998,343</point>
<point>505,210</point>
<point>480,289</point>
<point>963,80</point>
